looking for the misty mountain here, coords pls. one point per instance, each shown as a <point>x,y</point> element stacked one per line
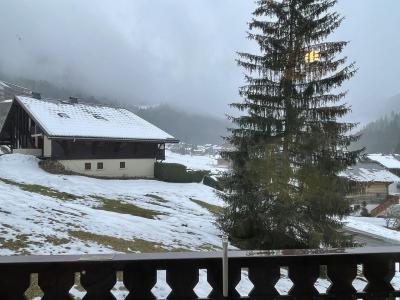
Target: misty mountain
<point>374,110</point>
<point>381,136</point>
<point>390,105</point>
<point>50,90</point>
<point>187,127</point>
<point>190,128</point>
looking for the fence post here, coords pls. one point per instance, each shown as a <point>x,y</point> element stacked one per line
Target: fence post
<point>225,290</point>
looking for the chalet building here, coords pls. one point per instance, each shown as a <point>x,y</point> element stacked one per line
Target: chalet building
<point>390,162</point>
<point>373,181</point>
<point>88,139</point>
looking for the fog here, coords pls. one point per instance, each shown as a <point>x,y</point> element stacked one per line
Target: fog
<point>179,52</point>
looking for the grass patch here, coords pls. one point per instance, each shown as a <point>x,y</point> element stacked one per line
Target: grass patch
<point>81,214</point>
<point>214,209</point>
<point>21,242</point>
<point>157,198</point>
<point>208,247</point>
<point>41,190</point>
<point>118,244</point>
<point>56,241</point>
<point>120,207</point>
<point>18,245</point>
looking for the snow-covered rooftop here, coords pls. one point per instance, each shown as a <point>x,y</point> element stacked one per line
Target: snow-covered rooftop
<point>390,161</point>
<point>79,120</point>
<point>369,172</point>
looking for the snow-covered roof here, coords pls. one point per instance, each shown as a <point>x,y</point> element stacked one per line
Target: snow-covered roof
<point>63,119</point>
<point>369,172</point>
<point>390,161</point>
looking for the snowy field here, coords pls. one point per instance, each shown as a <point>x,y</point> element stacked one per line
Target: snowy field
<point>55,214</point>
<point>195,162</point>
<point>372,226</point>
<point>42,213</point>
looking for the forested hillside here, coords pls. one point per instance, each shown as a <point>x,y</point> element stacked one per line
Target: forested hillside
<point>191,128</point>
<point>382,135</point>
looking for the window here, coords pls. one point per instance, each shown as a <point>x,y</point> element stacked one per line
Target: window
<point>99,166</point>
<point>88,166</point>
<point>122,165</point>
<point>63,115</point>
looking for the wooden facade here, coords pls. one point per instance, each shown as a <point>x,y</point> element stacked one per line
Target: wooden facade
<point>99,149</point>
<point>370,193</point>
<point>20,131</point>
<point>377,188</point>
<point>372,181</point>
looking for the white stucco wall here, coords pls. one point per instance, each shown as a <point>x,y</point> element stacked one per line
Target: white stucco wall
<point>133,167</point>
<point>46,147</point>
<point>35,152</point>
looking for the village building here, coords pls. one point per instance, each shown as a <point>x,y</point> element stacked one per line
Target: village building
<point>94,140</point>
<point>389,161</point>
<point>373,182</point>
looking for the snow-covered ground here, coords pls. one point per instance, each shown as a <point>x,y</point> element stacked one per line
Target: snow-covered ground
<point>32,206</point>
<point>195,162</point>
<point>372,226</point>
<point>42,213</point>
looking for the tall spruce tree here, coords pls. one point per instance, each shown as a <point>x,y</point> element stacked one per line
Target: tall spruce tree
<point>289,145</point>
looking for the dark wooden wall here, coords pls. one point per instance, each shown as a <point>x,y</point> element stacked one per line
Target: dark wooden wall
<point>67,149</point>
<point>18,129</point>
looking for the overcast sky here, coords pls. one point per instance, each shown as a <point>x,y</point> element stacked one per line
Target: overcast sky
<point>176,51</point>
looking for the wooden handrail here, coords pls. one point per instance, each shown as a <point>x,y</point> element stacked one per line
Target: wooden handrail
<point>97,273</point>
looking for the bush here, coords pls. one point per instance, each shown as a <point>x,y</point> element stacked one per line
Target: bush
<point>177,173</point>
<point>211,182</point>
<point>364,211</point>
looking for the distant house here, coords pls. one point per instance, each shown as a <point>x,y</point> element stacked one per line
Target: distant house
<point>89,139</point>
<point>389,161</point>
<point>373,181</point>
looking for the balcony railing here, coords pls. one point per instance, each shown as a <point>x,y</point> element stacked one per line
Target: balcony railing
<point>98,274</point>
